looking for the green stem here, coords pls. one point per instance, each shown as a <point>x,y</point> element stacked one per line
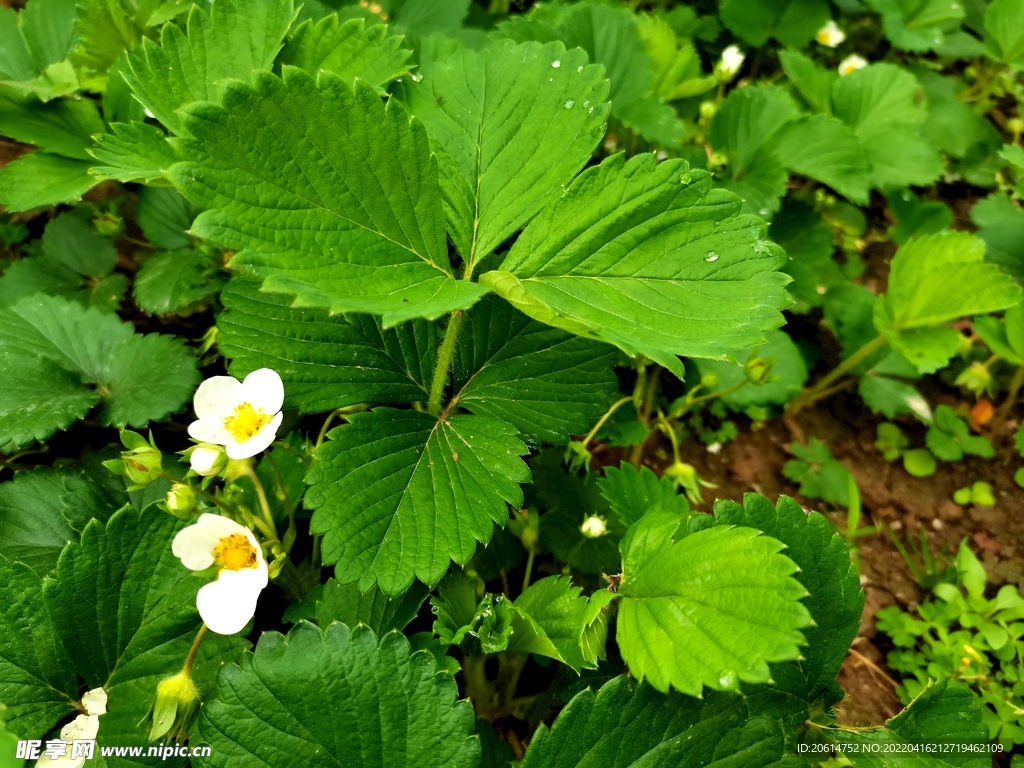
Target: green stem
<point>324,429</point>
<point>529,568</point>
<point>809,395</point>
<point>444,361</point>
<point>261,494</point>
<point>205,494</point>
<point>603,419</point>
<point>645,415</point>
<point>1011,397</point>
<point>190,659</point>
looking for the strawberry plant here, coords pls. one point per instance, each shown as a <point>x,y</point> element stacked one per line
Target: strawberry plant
<point>354,359</point>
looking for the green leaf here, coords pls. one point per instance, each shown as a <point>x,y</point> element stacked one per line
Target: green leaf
<point>627,724</point>
<point>375,705</point>
<point>952,126</point>
<point>892,397</point>
<point>41,511</point>
<point>951,438</point>
<point>348,49</point>
<point>165,217</point>
<point>326,361</point>
<point>1001,225</point>
<point>381,209</point>
<point>1004,21</point>
<point>946,713</point>
<point>745,121</point>
<point>398,494</point>
<point>62,127</point>
<point>807,240</point>
<point>41,179</point>
<point>553,619</point>
<point>712,609</point>
<point>822,147</point>
<point>54,352</point>
<point>936,279</point>
<point>915,217</point>
<point>345,603</point>
<point>787,378</point>
<point>133,152</point>
<point>76,262</point>
<point>426,16</point>
<point>792,22</point>
<point>834,597</point>
<point>918,25</point>
<point>649,258</point>
<point>510,126</point>
<point>106,28</point>
<point>236,39</point>
<point>820,476</point>
<point>547,383</point>
<point>478,625</point>
<point>37,681</point>
<point>814,82</point>
<point>633,493</point>
<point>123,608</point>
<point>171,280</point>
<point>1005,338</point>
<point>35,40</point>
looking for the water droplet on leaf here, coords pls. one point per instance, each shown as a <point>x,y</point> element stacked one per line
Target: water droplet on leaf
<point>569,103</point>
<point>685,178</point>
<point>711,256</point>
<point>556,63</point>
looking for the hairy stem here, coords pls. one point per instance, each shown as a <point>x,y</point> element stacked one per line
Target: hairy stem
<point>444,361</point>
<point>645,415</point>
<point>190,659</point>
<point>603,419</point>
<point>813,393</point>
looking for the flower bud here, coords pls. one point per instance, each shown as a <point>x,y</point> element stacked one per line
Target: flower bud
<point>593,527</point>
<point>181,501</point>
<point>527,527</point>
<point>708,109</point>
<point>142,463</point>
<point>108,224</point>
<point>681,472</point>
<point>729,65</point>
<point>176,703</point>
<point>851,64</point>
<point>758,370</point>
<point>207,460</point>
<point>1015,125</point>
<point>577,456</point>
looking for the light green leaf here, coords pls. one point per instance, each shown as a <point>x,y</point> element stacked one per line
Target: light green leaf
<point>399,494</point>
<point>41,179</point>
<point>326,361</point>
<point>348,49</point>
<point>41,511</point>
<point>939,278</point>
<point>952,126</point>
<point>425,16</point>
<point>1004,21</point>
<point>792,22</point>
<point>376,705</point>
<point>813,81</point>
<point>946,713</point>
<point>345,603</point>
<point>33,43</point>
<point>236,39</point>
<point>553,619</point>
<point>788,366</point>
<point>649,258</point>
<point>820,476</point>
<point>133,152</point>
<point>712,609</point>
<point>547,383</point>
<point>627,724</point>
<point>62,127</point>
<point>745,121</point>
<point>106,28</point>
<point>1001,225</point>
<point>59,359</point>
<point>510,126</point>
<point>891,397</point>
<point>918,25</point>
<point>824,148</point>
<point>633,493</point>
<point>356,223</point>
<point>38,684</point>
<point>455,607</point>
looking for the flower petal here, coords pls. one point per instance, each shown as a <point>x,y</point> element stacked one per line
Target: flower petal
<point>194,545</point>
<point>227,605</point>
<point>209,432</point>
<point>255,444</point>
<point>264,389</point>
<point>217,397</point>
<point>82,728</point>
<point>95,701</point>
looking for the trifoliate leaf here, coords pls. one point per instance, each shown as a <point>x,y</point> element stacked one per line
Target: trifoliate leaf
<point>236,39</point>
<point>553,619</point>
<point>632,493</point>
<point>834,596</point>
<point>547,383</point>
<point>820,476</point>
<point>628,724</point>
<point>123,607</point>
<point>41,179</point>
<point>787,377</point>
<point>76,262</point>
<point>946,714</point>
<point>348,49</point>
<point>63,127</point>
<point>370,193</point>
<point>951,438</point>
<point>399,494</point>
<point>1004,21</point>
<point>918,26</point>
<point>326,361</point>
<point>510,125</point>
<point>345,603</point>
<point>739,597</point>
<point>375,705</point>
<point>59,359</point>
<point>38,684</point>
<point>41,511</point>
<point>1001,225</point>
<point>133,152</point>
<point>33,43</point>
<point>792,22</point>
<point>649,258</point>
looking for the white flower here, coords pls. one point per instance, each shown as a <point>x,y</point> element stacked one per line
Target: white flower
<point>594,527</point>
<point>732,60</point>
<point>851,64</point>
<point>207,460</point>
<point>227,604</point>
<point>243,416</point>
<point>82,728</point>
<point>95,702</point>
<point>830,35</point>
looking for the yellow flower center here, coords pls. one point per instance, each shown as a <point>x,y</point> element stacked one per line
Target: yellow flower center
<point>234,553</point>
<point>246,422</point>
